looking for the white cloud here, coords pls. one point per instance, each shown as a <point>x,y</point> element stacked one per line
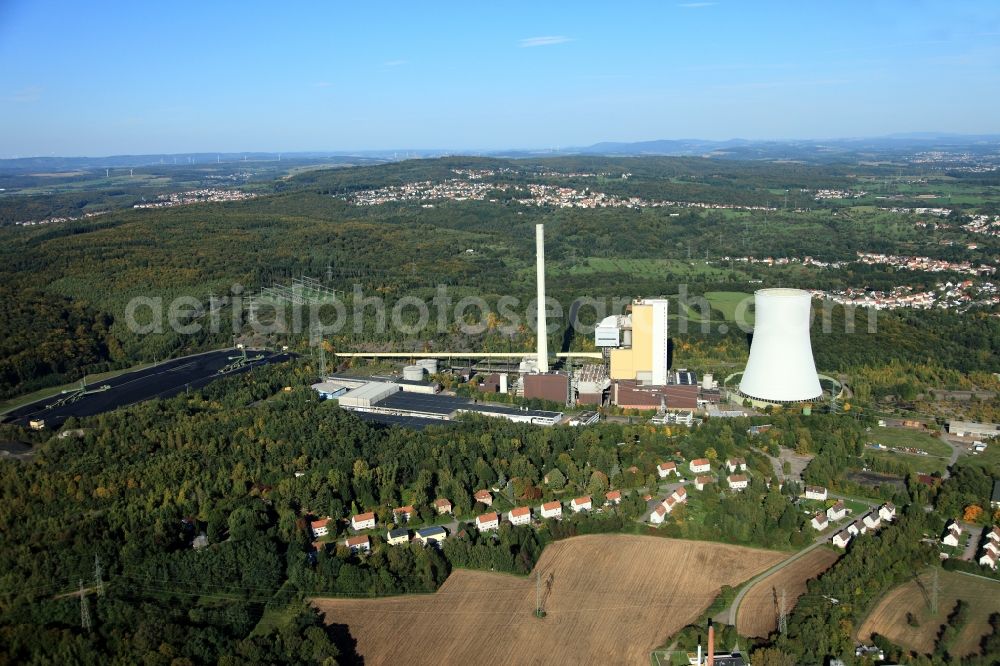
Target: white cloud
<point>549,40</point>
<point>25,95</point>
<point>393,63</point>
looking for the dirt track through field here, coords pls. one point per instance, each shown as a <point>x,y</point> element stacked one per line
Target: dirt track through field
<point>613,599</point>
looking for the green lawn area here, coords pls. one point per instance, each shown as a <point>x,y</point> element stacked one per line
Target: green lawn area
<point>274,618</point>
<point>647,267</point>
<point>915,463</point>
<point>990,458</point>
<point>726,302</point>
<point>901,437</point>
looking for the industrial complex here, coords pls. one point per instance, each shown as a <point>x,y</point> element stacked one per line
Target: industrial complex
<point>631,370</point>
<point>408,402</point>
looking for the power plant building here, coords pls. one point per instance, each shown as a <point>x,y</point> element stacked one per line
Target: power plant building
<point>637,343</point>
<point>781,367</point>
<point>553,387</point>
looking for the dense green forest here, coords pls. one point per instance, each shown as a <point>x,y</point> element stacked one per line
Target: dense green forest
<point>134,487</point>
<point>67,285</point>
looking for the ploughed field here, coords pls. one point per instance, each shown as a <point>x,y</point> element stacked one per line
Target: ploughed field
<point>608,599</point>
<point>758,612</point>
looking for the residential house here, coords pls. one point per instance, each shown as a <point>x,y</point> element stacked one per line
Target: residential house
<point>552,510</point>
<point>819,521</point>
<point>358,544</point>
<point>403,513</point>
<point>613,497</point>
<point>431,535</point>
<point>398,536</point>
<point>483,497</point>
<point>680,495</point>
<point>872,521</point>
<point>837,512</point>
<point>442,506</point>
<point>989,559</point>
<point>662,509</point>
<point>994,534</point>
<point>841,539</point>
<point>816,493</point>
<point>320,528</point>
<point>857,527</point>
<point>701,481</point>
<point>580,504</point>
<point>887,512</point>
<point>520,515</point>
<point>700,466</point>
<point>952,534</point>
<point>738,481</point>
<point>487,521</point>
<point>663,469</point>
<point>363,521</point>
<point>736,465</point>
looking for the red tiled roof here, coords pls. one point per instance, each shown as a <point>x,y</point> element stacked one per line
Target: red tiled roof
<point>486,518</point>
<point>362,517</point>
<point>704,479</point>
<point>613,494</point>
<point>700,461</point>
<point>356,540</point>
<point>322,522</point>
<point>548,506</point>
<point>668,465</point>
<point>736,478</point>
<point>581,500</point>
<point>483,494</point>
<point>404,509</point>
<point>441,502</point>
<point>520,511</point>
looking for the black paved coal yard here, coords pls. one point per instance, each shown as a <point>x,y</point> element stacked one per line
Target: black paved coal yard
<point>159,381</point>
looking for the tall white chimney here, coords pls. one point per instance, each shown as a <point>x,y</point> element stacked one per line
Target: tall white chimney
<point>543,334</point>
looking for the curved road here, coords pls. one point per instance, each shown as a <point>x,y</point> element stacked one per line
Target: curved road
<point>729,615</point>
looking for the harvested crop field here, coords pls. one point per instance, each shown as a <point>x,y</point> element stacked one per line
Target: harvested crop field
<point>612,599</point>
<point>889,616</point>
<point>758,612</point>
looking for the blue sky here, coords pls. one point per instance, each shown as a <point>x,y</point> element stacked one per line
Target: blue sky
<point>99,78</point>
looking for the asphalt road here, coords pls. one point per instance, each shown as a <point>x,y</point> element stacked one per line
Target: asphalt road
<point>159,381</point>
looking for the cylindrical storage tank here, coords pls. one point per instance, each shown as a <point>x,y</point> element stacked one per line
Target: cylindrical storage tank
<point>413,373</point>
<point>429,364</point>
<point>707,381</point>
<point>781,366</point>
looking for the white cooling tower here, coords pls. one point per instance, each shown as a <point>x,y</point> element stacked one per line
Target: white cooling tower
<point>781,366</point>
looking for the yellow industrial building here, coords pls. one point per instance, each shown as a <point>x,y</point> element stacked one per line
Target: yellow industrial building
<point>637,342</point>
